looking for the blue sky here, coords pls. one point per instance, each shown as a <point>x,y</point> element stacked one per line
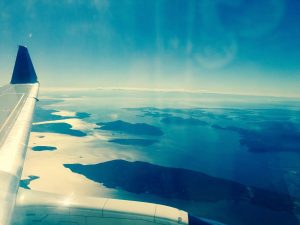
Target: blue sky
<point>232,46</point>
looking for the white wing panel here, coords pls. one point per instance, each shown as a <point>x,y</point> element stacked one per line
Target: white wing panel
<point>15,130</point>
<point>44,208</point>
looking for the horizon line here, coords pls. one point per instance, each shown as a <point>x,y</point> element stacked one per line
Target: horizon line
<point>166,90</point>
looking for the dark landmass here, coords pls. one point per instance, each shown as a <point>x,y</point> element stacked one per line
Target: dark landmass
<point>42,114</point>
<point>266,130</point>
<point>174,183</point>
<point>130,128</point>
<point>251,115</point>
<point>175,120</point>
<point>168,112</point>
<point>82,115</point>
<point>60,128</point>
<point>25,183</point>
<point>271,114</point>
<point>43,148</point>
<point>154,114</point>
<point>268,137</point>
<point>135,142</point>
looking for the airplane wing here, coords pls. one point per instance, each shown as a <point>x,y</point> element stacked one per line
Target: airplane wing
<point>19,206</point>
<point>17,102</point>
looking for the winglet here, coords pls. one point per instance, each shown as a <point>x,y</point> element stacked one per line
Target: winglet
<point>23,71</point>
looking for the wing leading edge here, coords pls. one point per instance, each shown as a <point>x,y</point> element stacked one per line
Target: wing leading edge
<point>17,103</point>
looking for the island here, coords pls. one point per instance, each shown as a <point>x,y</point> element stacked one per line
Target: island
<point>169,112</point>
<point>130,128</point>
<point>176,183</point>
<point>26,182</point>
<point>42,114</point>
<point>60,128</point>
<point>43,148</point>
<point>82,115</point>
<point>268,137</point>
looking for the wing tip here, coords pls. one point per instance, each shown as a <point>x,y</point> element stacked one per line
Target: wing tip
<point>24,72</point>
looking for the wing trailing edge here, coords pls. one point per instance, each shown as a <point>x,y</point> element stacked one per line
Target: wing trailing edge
<point>24,72</point>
